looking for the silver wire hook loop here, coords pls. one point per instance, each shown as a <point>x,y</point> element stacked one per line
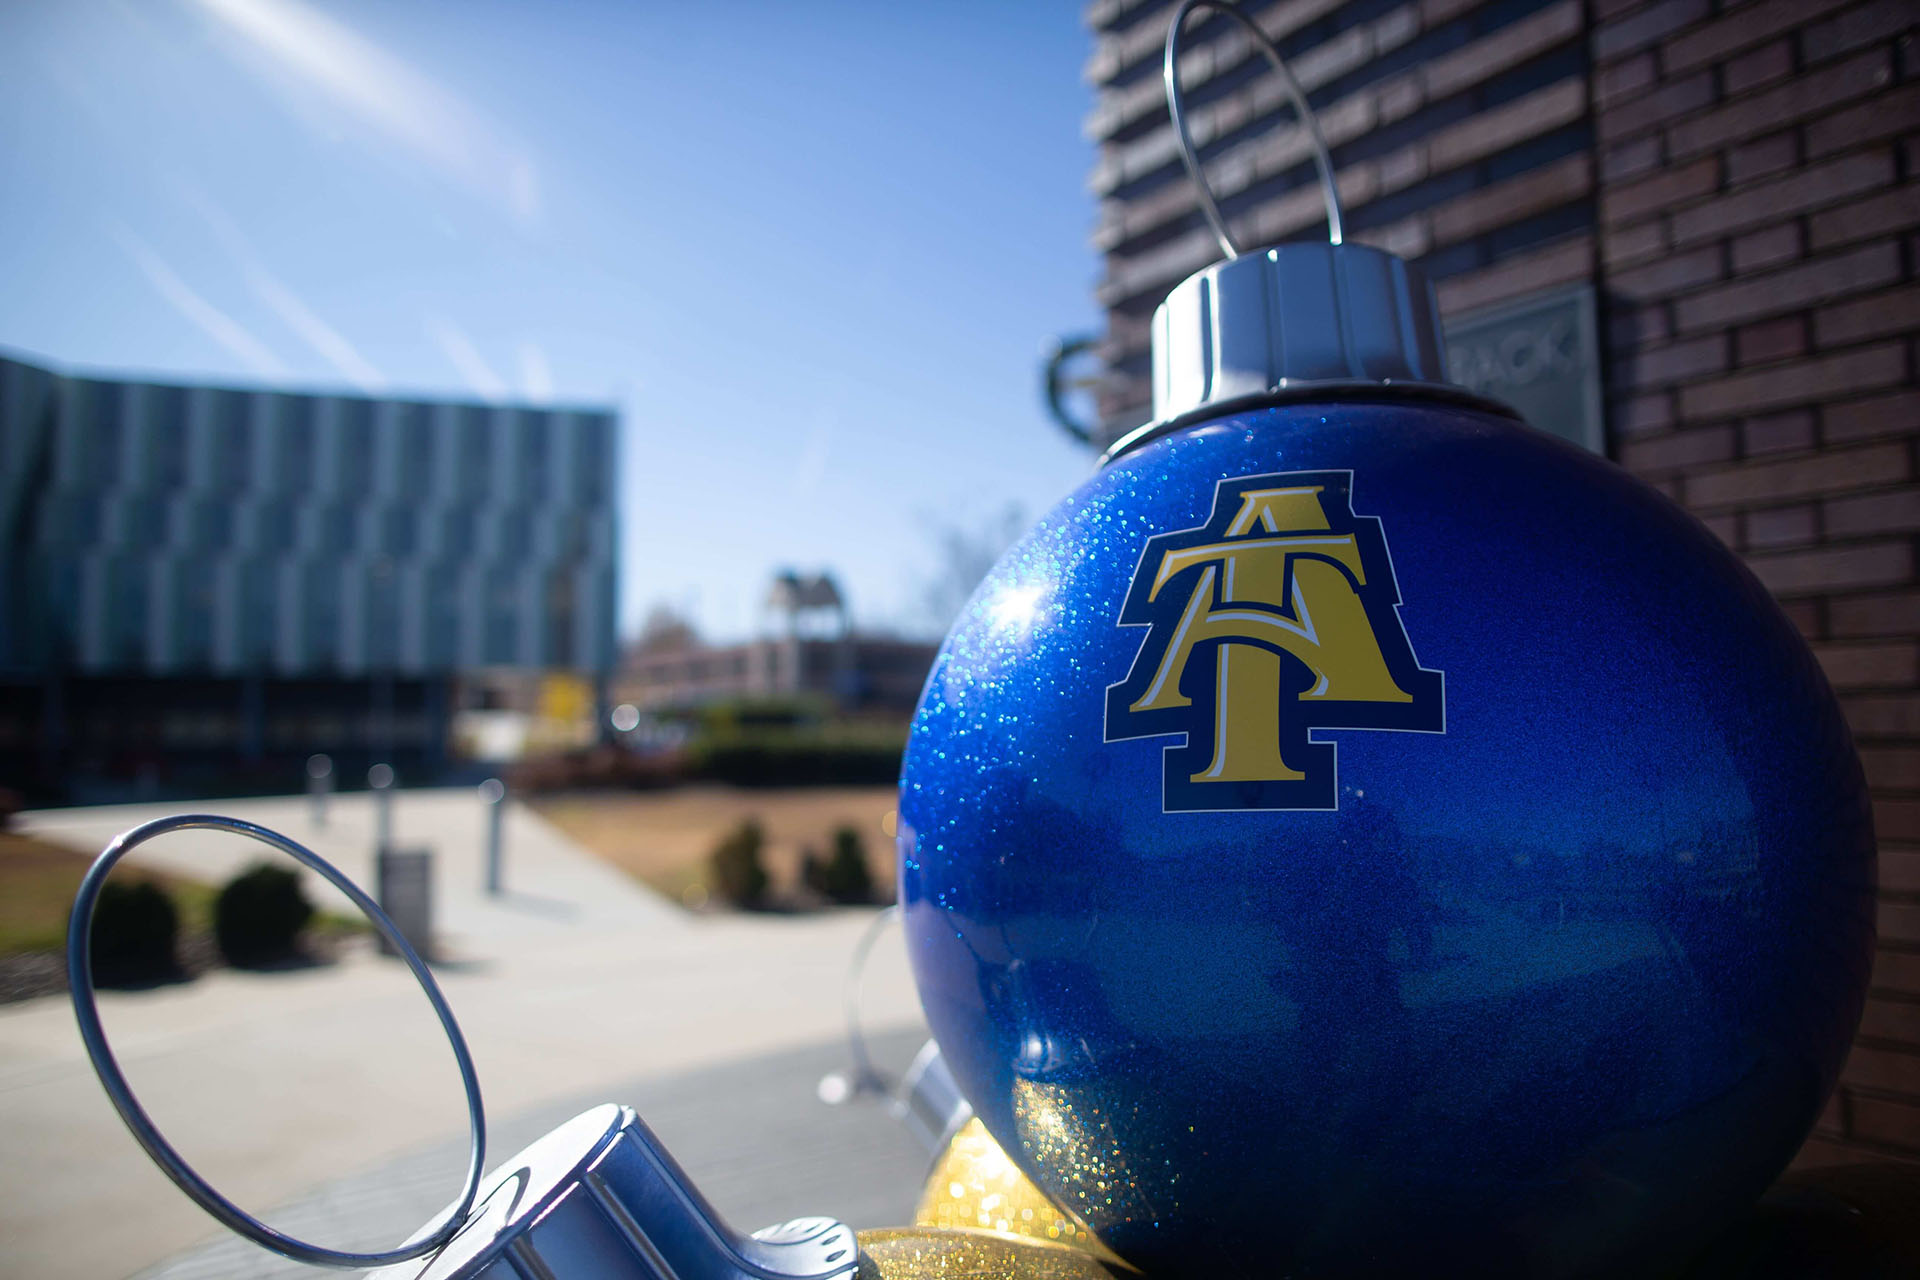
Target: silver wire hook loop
<point>86,1011</point>
<point>1322,158</point>
<point>865,1072</point>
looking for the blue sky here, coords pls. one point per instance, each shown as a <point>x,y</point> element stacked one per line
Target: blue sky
<point>809,250</point>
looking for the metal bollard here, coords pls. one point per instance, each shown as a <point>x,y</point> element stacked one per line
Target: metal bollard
<point>493,794</point>
<point>380,779</point>
<point>319,785</point>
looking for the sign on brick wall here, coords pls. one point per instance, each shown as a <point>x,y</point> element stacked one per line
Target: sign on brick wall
<point>1541,355</point>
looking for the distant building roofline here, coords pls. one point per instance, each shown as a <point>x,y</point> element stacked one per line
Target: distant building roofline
<point>396,395</point>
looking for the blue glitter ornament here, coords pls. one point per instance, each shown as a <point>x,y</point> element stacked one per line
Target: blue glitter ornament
<point>1555,980</point>
<point>1357,833</point>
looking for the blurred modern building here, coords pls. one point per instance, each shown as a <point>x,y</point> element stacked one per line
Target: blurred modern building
<point>201,585</point>
<point>852,673</point>
<point>812,652</point>
<point>1685,233</point>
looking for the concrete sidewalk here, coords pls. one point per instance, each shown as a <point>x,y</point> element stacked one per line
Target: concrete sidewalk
<point>577,982</point>
<point>553,885</point>
<point>751,1135</point>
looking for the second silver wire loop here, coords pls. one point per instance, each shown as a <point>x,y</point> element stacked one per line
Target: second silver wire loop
<point>172,1163</point>
<point>1322,158</point>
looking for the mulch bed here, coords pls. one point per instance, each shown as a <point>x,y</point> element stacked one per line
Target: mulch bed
<point>32,974</point>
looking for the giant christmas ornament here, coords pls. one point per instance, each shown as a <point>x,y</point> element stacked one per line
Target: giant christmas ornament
<point>1357,833</point>
<point>1358,829</point>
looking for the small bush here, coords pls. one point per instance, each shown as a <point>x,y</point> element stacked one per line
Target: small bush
<point>735,868</point>
<point>134,926</point>
<point>259,914</point>
<point>843,877</point>
<point>798,758</point>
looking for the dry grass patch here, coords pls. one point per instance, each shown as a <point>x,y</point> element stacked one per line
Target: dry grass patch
<point>663,837</point>
<point>38,879</point>
<point>37,884</point>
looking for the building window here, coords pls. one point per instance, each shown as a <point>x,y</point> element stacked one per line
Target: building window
<point>322,617</point>
<point>230,463</point>
<point>102,439</point>
<point>383,617</point>
<point>292,418</point>
<point>192,614</point>
<point>354,448</point>
<point>592,457</point>
<point>561,619</point>
<point>126,621</point>
<point>501,633</point>
<point>336,532</point>
<point>473,439</point>
<point>415,429</point>
<point>164,434</point>
<point>272,527</point>
<point>514,534</point>
<point>442,617</point>
<point>71,522</point>
<point>530,435</point>
<point>255,612</point>
<point>399,531</point>
<point>457,534</point>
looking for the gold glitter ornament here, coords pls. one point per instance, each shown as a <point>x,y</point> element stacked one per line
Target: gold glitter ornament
<point>1084,1137</point>
<point>959,1253</point>
<point>975,1185</point>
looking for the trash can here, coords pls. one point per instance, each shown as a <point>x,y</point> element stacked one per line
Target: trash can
<point>405,883</point>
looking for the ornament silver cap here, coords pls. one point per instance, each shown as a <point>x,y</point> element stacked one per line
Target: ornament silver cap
<point>1288,321</point>
<point>1290,318</point>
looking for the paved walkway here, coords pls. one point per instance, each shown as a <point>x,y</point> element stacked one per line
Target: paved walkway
<point>752,1135</point>
<point>576,983</point>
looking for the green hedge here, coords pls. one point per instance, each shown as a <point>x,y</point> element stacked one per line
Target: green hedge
<point>747,746</point>
<point>772,758</point>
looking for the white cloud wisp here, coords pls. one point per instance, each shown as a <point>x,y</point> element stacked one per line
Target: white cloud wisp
<point>465,357</point>
<point>390,96</point>
<point>331,345</point>
<point>229,334</point>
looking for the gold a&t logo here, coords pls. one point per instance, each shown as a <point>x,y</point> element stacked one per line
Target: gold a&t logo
<point>1278,616</point>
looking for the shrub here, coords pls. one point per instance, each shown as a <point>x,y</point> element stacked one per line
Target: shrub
<point>779,758</point>
<point>843,877</point>
<point>596,767</point>
<point>134,926</point>
<point>259,914</point>
<point>813,871</point>
<point>735,868</point>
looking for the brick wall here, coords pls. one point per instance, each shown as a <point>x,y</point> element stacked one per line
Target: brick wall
<point>1759,234</point>
<point>1459,129</point>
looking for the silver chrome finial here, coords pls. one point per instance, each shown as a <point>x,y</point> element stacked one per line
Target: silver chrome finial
<point>1289,321</point>
<point>1289,317</point>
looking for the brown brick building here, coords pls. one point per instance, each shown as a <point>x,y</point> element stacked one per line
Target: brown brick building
<point>1725,200</point>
